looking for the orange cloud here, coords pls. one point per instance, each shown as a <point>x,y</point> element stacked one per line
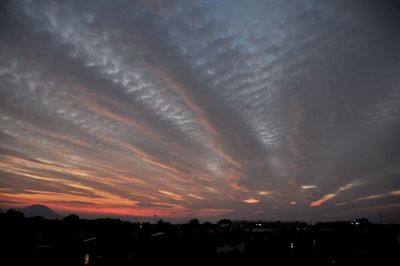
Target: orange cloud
<point>171,195</point>
<point>195,196</point>
<point>147,158</point>
<point>251,201</point>
<point>335,194</point>
<point>201,117</point>
<point>322,200</point>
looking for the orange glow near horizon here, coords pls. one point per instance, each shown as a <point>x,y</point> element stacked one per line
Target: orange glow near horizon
<point>62,207</point>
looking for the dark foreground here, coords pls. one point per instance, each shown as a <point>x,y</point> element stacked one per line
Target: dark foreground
<point>74,241</point>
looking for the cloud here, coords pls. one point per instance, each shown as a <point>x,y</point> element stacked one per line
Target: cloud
<point>308,186</point>
<point>324,199</point>
<point>330,196</point>
<point>251,201</point>
<point>199,105</point>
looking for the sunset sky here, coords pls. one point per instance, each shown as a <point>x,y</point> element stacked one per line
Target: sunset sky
<point>239,109</point>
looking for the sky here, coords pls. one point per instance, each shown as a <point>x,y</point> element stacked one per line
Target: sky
<point>272,110</point>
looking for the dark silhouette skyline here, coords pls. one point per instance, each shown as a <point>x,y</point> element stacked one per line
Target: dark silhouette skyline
<point>105,241</point>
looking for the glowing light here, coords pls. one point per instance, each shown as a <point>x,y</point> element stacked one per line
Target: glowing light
<point>251,201</point>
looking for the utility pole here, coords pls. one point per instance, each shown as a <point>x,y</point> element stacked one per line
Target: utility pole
<point>380,216</point>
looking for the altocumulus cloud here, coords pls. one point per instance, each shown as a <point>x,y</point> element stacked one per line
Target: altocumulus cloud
<point>256,109</point>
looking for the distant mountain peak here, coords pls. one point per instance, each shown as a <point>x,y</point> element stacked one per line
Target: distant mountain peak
<point>40,210</point>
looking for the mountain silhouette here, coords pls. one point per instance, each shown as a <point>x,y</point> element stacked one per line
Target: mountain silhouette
<point>40,210</point>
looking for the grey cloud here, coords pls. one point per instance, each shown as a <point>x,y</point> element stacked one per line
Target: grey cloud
<point>235,97</point>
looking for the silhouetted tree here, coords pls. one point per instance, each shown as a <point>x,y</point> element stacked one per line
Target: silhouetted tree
<point>15,215</point>
<point>224,221</point>
<point>194,222</point>
<point>72,218</point>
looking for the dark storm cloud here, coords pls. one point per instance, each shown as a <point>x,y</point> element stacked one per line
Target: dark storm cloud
<point>260,109</point>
